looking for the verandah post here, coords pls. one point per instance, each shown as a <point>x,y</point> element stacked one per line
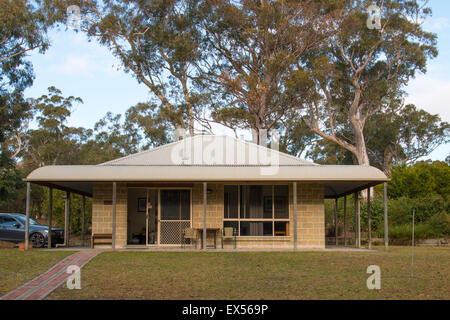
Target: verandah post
<point>27,221</point>
<point>386,231</point>
<point>294,192</point>
<point>67,219</point>
<point>50,212</point>
<point>336,220</point>
<point>358,221</point>
<point>82,218</point>
<point>345,221</point>
<point>369,220</point>
<point>205,190</point>
<point>114,192</point>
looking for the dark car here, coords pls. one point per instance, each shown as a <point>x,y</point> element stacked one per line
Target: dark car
<point>12,228</point>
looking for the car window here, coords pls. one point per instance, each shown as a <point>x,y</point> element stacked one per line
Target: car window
<point>7,221</point>
<point>22,219</point>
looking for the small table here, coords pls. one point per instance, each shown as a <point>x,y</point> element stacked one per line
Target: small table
<point>214,230</point>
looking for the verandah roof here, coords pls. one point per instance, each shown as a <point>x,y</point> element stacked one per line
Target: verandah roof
<point>179,162</point>
<point>338,180</point>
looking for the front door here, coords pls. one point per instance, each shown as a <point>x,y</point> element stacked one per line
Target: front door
<point>175,215</point>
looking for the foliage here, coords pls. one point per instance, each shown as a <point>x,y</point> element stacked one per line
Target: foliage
<point>420,180</point>
<point>438,226</point>
<point>440,223</point>
<point>76,205</point>
<point>52,142</point>
<point>398,136</point>
<point>430,212</point>
<point>295,136</point>
<point>255,50</point>
<point>23,26</point>
<point>10,180</point>
<point>160,44</point>
<point>361,72</point>
<point>334,92</point>
<point>401,135</point>
<point>328,152</point>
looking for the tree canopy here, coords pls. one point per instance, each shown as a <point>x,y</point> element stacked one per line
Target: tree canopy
<point>311,70</point>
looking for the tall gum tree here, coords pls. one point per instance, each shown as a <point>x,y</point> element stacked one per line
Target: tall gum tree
<point>23,28</point>
<point>254,47</point>
<point>362,69</point>
<point>158,42</point>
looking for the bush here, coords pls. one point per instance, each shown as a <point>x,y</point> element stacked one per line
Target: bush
<point>420,180</point>
<point>431,217</point>
<point>75,210</point>
<point>437,227</point>
<point>400,210</point>
<point>404,232</point>
<point>440,223</point>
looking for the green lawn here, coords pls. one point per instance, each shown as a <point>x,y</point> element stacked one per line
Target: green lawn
<point>262,275</point>
<point>18,267</point>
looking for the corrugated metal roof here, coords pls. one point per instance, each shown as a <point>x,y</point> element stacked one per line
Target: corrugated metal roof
<point>209,159</point>
<point>209,150</point>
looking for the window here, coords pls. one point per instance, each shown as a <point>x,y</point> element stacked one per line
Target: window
<point>256,202</point>
<point>281,203</point>
<point>256,228</point>
<point>175,204</point>
<point>230,202</point>
<point>263,209</point>
<point>23,220</point>
<point>7,221</point>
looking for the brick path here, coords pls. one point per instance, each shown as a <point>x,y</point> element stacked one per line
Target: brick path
<point>44,284</point>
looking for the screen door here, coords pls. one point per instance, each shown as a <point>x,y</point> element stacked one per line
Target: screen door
<point>175,215</point>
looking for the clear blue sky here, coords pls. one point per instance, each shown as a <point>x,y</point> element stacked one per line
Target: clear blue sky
<point>87,70</point>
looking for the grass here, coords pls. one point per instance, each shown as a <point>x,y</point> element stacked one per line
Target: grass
<point>262,275</point>
<point>18,267</point>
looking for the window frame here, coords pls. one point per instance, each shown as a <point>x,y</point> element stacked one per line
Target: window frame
<point>272,219</point>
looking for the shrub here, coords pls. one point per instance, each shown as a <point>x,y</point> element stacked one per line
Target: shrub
<point>400,210</point>
<point>440,223</point>
<point>404,232</point>
<point>431,217</point>
<point>420,180</point>
<point>438,226</point>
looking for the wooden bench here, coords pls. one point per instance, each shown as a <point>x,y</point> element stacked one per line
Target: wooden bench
<point>96,236</point>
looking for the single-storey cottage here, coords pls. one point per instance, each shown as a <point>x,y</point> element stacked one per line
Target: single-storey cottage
<point>190,191</point>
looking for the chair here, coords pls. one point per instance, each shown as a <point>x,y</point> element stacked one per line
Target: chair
<point>191,234</point>
<point>229,233</point>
